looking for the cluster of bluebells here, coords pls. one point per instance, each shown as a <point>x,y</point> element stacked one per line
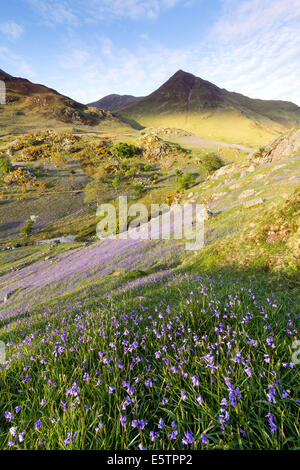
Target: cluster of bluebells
<point>171,373</point>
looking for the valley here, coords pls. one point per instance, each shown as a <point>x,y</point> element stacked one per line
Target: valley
<point>135,344</point>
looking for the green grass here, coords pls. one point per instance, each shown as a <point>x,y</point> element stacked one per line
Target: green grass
<point>230,127</point>
<point>190,311</point>
<point>228,315</point>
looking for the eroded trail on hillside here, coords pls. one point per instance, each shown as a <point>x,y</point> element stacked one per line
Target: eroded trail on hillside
<point>197,141</point>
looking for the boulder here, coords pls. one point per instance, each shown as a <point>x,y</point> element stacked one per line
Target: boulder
<point>254,202</point>
<point>247,193</point>
<point>280,148</point>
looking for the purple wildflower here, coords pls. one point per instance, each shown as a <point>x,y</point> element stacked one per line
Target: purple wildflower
<point>21,436</point>
<point>195,380</point>
<point>200,400</point>
<point>188,438</point>
<point>123,420</point>
<point>161,424</point>
<point>9,416</point>
<point>173,435</point>
<point>272,425</point>
<point>153,435</point>
<point>38,425</point>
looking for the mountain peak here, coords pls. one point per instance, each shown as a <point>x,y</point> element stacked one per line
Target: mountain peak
<point>188,102</point>
<point>113,102</point>
<point>4,74</point>
<point>182,73</point>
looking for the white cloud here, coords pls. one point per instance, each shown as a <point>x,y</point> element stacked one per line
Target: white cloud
<point>245,18</point>
<point>15,64</point>
<point>257,47</point>
<point>75,11</point>
<point>54,12</point>
<point>253,48</point>
<point>11,29</point>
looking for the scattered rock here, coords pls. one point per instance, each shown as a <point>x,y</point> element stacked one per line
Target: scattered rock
<point>251,168</point>
<point>259,177</point>
<point>216,196</point>
<point>225,170</point>
<point>280,148</point>
<point>7,296</point>
<point>254,202</point>
<point>235,186</point>
<point>277,167</point>
<point>247,193</point>
<point>208,214</point>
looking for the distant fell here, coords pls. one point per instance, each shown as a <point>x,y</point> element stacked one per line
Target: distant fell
<point>114,101</point>
<point>193,104</point>
<point>30,105</point>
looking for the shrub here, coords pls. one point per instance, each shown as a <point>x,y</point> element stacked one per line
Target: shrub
<point>185,181</point>
<point>27,229</point>
<point>124,150</point>
<point>134,274</point>
<point>131,172</point>
<point>5,165</point>
<point>116,182</point>
<point>138,189</point>
<point>212,162</point>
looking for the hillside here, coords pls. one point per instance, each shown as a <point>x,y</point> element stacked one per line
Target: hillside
<point>252,188</point>
<point>113,102</point>
<point>190,103</point>
<point>30,106</point>
<point>137,343</point>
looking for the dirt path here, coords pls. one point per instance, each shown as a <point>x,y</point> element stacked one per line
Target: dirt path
<point>196,141</point>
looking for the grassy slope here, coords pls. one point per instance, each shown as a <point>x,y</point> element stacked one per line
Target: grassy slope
<point>231,236</point>
<point>193,104</point>
<point>238,290</point>
<point>226,126</point>
<point>202,314</point>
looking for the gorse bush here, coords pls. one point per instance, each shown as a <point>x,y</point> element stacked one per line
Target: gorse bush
<point>27,229</point>
<point>185,181</point>
<point>116,182</point>
<point>5,165</point>
<point>211,162</point>
<point>125,150</point>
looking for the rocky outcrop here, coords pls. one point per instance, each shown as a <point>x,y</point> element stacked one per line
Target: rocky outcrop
<point>156,150</point>
<point>282,147</point>
<point>254,202</point>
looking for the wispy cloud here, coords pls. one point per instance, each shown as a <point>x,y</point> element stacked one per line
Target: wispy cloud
<point>257,47</point>
<point>54,12</point>
<point>252,49</point>
<point>16,62</point>
<point>74,11</point>
<point>11,29</point>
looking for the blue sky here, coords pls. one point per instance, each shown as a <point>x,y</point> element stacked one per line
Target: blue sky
<point>88,49</point>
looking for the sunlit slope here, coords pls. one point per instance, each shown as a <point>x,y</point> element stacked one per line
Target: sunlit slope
<point>193,104</point>
<point>31,106</point>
